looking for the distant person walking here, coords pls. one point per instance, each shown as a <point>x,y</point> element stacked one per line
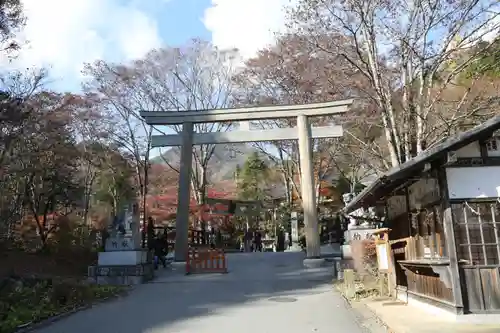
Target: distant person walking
<point>150,233</point>
<point>211,239</point>
<point>159,252</point>
<point>248,241</point>
<point>258,241</point>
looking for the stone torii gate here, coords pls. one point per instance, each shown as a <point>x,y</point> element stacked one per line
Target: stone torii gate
<point>303,132</point>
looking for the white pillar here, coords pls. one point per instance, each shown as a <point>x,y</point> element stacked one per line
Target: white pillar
<point>307,187</point>
<point>184,196</point>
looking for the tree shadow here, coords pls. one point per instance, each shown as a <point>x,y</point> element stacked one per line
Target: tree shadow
<point>174,298</point>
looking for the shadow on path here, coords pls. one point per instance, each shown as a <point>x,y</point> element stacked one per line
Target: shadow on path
<point>264,292</point>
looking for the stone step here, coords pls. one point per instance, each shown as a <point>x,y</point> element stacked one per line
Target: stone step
<point>117,270</point>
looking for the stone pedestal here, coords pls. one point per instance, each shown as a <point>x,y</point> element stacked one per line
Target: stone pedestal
<point>121,267</point>
<point>122,258</point>
<point>346,252</point>
<point>121,274</point>
<point>124,262</point>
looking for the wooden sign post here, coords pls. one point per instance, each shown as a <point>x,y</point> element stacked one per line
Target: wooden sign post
<point>384,259</point>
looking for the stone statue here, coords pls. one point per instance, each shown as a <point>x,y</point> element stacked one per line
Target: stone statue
<point>117,227</point>
<point>125,231</point>
<point>372,215</point>
<point>353,221</point>
<point>347,197</point>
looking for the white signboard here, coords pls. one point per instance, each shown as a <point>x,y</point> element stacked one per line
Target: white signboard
<point>383,260</point>
<point>474,182</point>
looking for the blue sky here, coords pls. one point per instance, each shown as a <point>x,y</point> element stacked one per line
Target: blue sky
<point>177,20</point>
<point>181,20</point>
<point>62,35</point>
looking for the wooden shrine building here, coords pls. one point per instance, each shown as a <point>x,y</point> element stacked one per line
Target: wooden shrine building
<point>443,209</point>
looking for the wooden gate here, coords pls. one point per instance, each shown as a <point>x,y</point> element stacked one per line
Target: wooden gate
<point>476,228</point>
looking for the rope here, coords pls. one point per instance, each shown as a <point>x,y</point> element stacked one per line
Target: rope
<point>472,209</point>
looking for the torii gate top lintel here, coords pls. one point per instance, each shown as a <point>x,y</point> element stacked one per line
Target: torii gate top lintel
<point>245,113</point>
<point>303,132</point>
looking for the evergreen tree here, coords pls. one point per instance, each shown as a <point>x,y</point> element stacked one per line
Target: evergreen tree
<point>488,64</point>
<point>252,178</point>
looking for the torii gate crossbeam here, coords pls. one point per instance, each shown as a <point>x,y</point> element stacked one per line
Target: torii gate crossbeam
<point>303,132</point>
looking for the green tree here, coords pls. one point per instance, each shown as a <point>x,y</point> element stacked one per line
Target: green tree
<point>252,178</point>
<point>114,185</point>
<point>488,64</point>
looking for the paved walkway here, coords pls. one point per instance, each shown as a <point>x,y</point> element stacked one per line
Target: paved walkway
<point>411,319</point>
<point>263,292</point>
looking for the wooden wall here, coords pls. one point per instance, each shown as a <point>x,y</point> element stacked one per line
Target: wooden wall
<point>423,281</point>
<point>418,278</point>
<point>481,289</point>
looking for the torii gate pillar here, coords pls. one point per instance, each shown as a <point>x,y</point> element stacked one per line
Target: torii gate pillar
<point>307,188</point>
<point>183,193</point>
<point>306,184</point>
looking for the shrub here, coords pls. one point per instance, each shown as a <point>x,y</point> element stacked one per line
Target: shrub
<point>364,255</point>
<point>24,301</point>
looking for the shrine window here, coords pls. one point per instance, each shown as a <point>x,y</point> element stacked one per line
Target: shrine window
<point>477,234</point>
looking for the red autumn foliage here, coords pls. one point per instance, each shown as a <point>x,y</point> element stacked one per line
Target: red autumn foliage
<point>163,207</point>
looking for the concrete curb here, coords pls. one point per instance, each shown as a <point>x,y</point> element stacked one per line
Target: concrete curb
<point>379,320</point>
<point>30,327</point>
<point>313,262</point>
<point>366,317</point>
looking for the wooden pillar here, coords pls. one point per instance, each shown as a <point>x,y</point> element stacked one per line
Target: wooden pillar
<point>451,247</point>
